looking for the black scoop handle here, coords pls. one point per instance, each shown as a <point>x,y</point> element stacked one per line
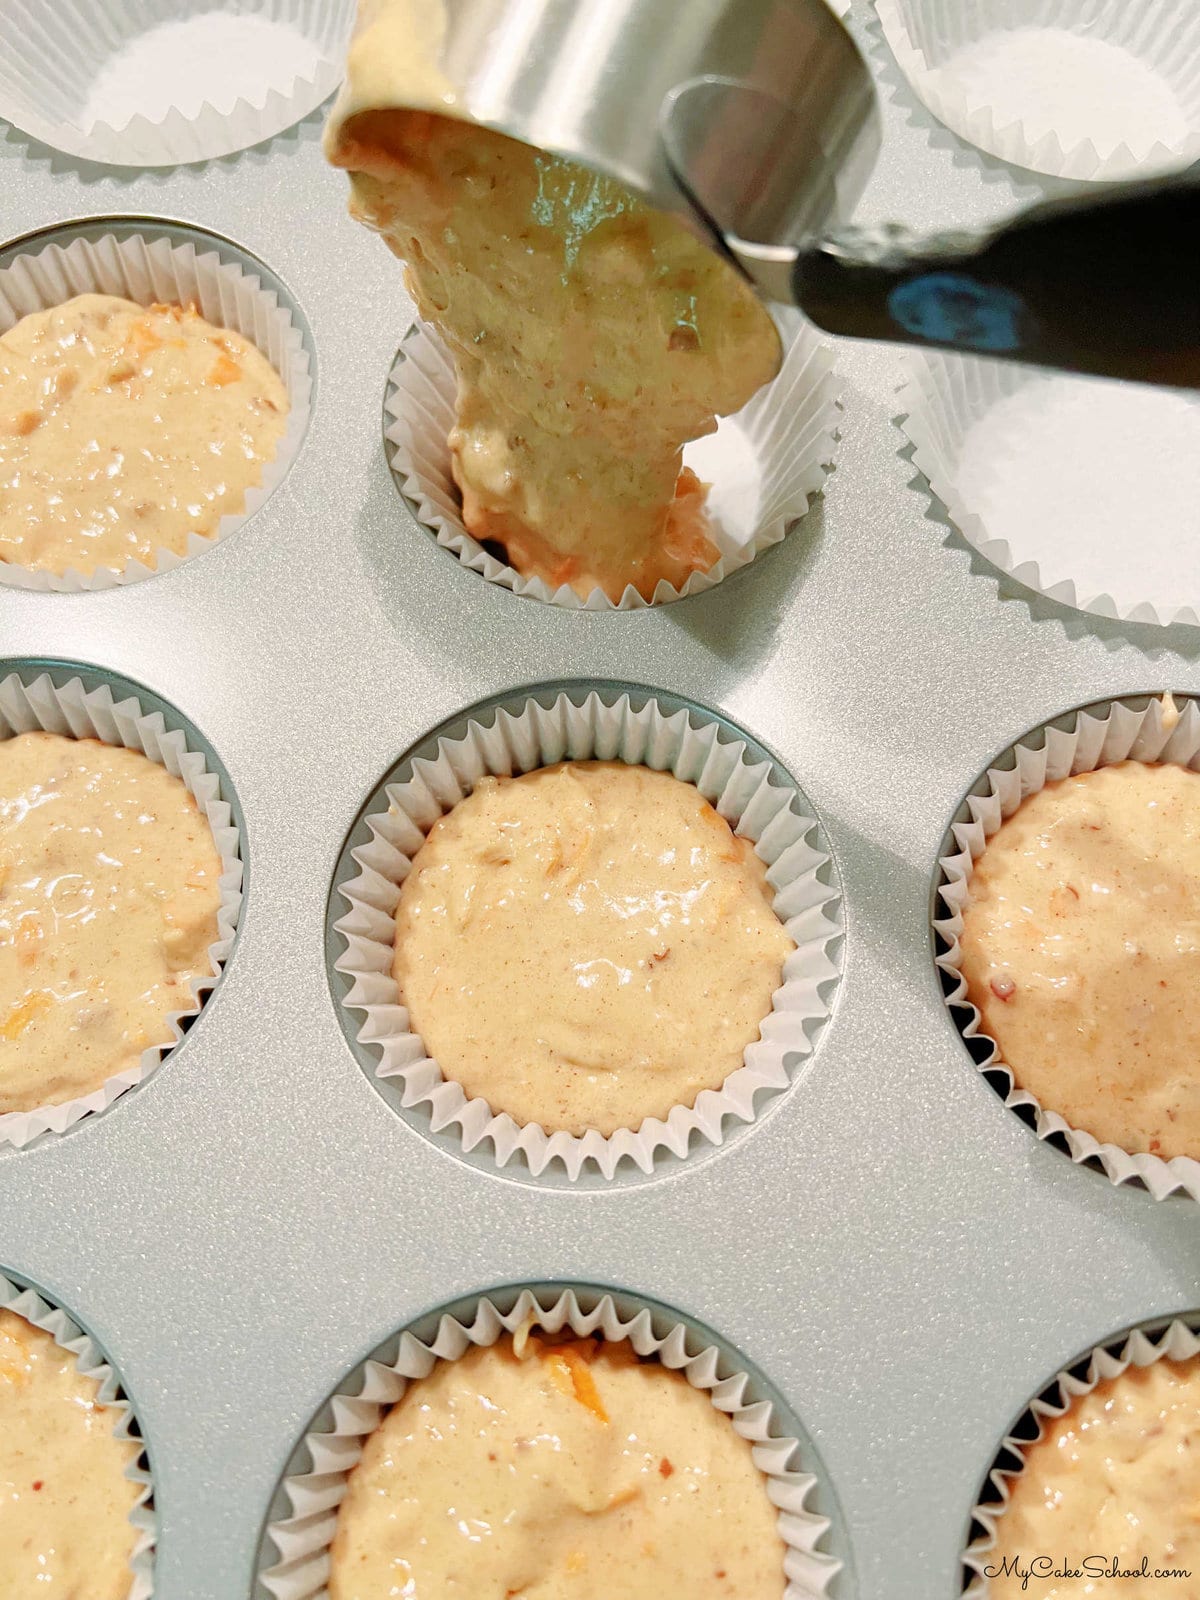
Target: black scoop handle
<point>1106,284</point>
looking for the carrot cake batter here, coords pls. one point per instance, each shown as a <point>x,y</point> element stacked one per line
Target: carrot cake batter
<point>592,335</point>
<point>572,1471</point>
<point>1081,950</point>
<point>109,887</point>
<point>126,428</point>
<point>65,1501</point>
<point>587,945</point>
<point>1114,1480</point>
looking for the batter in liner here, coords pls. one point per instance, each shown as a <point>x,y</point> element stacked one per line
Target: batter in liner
<point>587,945</point>
<point>109,887</point>
<point>1116,1479</point>
<point>592,335</point>
<point>65,1501</point>
<point>1081,950</point>
<point>568,1471</point>
<point>126,428</point>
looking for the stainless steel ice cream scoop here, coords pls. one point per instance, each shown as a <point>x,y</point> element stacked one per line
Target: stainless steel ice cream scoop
<point>756,122</point>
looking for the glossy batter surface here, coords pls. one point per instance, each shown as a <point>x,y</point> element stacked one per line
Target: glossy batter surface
<point>124,429</point>
<point>1114,1481</point>
<point>587,945</point>
<point>65,1502</point>
<point>109,888</point>
<point>1081,949</point>
<point>592,335</point>
<point>577,1473</point>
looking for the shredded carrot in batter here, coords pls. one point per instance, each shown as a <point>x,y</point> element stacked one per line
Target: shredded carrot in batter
<point>22,1015</point>
<point>569,1369</point>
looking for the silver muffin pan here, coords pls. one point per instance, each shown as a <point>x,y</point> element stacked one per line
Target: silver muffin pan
<point>900,1258</point>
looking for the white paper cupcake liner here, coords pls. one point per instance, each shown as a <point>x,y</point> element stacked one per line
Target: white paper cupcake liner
<point>1086,491</point>
<point>608,728</point>
<point>1021,185</point>
<point>1082,89</point>
<point>29,701</point>
<point>90,1360</point>
<point>1099,736</point>
<point>764,463</point>
<point>150,269</point>
<point>152,83</point>
<point>298,1539</point>
<point>1141,1348</point>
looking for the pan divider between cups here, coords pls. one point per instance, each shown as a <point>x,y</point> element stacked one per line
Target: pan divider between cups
<point>293,1561</point>
<point>1132,728</point>
<point>519,733</point>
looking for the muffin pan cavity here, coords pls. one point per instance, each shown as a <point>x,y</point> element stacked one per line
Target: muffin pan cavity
<point>1087,89</point>
<point>1081,489</point>
<point>519,733</point>
<point>1164,1338</point>
<point>294,1550</point>
<point>88,703</point>
<point>763,465</point>
<point>1139,728</point>
<point>152,260</point>
<point>152,83</point>
<point>18,1295</point>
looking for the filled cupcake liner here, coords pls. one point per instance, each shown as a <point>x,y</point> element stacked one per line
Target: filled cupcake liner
<point>1140,1348</point>
<point>764,463</point>
<point>1124,729</point>
<point>152,270</point>
<point>1096,525</point>
<point>31,702</point>
<point>119,83</point>
<point>610,729</point>
<point>316,1481</point>
<point>91,1362</point>
<point>1037,47</point>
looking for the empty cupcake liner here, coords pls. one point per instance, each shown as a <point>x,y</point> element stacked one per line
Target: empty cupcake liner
<point>1140,1348</point>
<point>1019,184</point>
<point>303,1521</point>
<point>92,1363</point>
<point>149,270</point>
<point>1081,89</point>
<point>593,725</point>
<point>29,701</point>
<point>1133,729</point>
<point>1084,490</point>
<point>764,463</point>
<point>152,83</point>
